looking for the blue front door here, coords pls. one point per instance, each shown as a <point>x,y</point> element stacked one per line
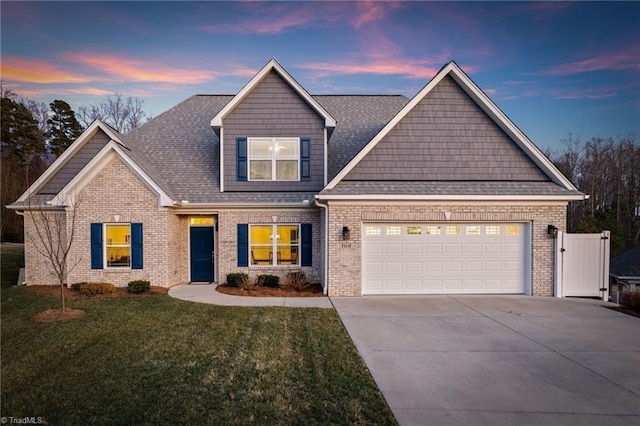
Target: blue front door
<point>201,253</point>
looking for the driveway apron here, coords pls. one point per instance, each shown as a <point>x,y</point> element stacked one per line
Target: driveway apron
<point>498,360</point>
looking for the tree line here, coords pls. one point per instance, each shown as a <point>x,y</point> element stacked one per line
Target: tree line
<point>34,134</point>
<point>608,170</point>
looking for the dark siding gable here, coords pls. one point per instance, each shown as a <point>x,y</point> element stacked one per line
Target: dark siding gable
<point>447,136</point>
<point>274,109</point>
<point>76,163</point>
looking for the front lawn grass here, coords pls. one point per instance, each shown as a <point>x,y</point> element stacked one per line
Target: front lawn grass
<point>156,360</point>
<point>11,260</point>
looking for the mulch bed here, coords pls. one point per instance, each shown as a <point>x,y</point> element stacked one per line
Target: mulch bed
<point>625,310</point>
<point>314,290</point>
<point>54,291</point>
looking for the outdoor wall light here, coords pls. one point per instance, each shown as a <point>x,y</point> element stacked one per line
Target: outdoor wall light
<point>345,233</point>
<point>552,230</point>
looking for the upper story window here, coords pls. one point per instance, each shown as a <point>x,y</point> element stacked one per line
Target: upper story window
<point>274,159</point>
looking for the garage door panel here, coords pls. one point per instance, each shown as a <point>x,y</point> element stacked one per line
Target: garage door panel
<point>433,266</point>
<point>413,248</point>
<point>414,258</point>
<point>393,248</point>
<point>434,248</point>
<point>453,248</point>
<point>413,267</point>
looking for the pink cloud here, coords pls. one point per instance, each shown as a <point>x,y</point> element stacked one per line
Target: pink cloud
<point>140,70</point>
<point>35,71</point>
<point>408,68</point>
<point>624,59</point>
<point>371,11</point>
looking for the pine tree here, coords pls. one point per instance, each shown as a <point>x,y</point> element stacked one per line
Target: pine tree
<point>64,128</point>
<point>22,140</point>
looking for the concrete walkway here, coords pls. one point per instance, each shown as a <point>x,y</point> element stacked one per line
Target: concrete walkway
<point>204,293</point>
<point>498,360</point>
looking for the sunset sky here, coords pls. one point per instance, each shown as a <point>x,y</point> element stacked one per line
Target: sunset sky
<point>554,68</point>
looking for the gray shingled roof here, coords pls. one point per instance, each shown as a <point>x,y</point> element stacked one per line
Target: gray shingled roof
<point>626,264</point>
<point>448,188</point>
<point>179,149</point>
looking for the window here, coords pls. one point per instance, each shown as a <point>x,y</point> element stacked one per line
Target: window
<point>513,230</point>
<point>274,159</point>
<point>492,229</point>
<point>274,245</point>
<point>116,245</point>
<point>474,230</point>
<point>432,230</point>
<point>202,221</point>
<point>394,230</point>
<point>414,230</point>
<point>453,230</point>
<point>373,230</point>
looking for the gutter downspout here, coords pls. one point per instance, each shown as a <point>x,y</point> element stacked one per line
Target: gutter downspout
<point>325,288</point>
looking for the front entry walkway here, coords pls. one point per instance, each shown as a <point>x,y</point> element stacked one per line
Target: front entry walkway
<point>498,360</point>
<point>208,294</point>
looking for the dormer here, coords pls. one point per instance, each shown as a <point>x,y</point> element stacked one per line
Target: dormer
<point>273,136</point>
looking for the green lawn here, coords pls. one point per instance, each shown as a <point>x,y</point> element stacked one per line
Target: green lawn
<point>155,360</point>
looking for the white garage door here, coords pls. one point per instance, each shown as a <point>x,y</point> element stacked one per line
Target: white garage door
<point>445,258</point>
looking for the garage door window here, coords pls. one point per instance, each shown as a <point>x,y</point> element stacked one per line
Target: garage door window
<point>492,229</point>
<point>394,230</point>
<point>474,230</point>
<point>453,230</point>
<point>514,229</point>
<point>432,230</point>
<point>373,230</point>
<point>414,230</point>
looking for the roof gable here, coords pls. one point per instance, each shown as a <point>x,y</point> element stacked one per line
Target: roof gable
<point>99,162</point>
<point>446,137</point>
<point>47,179</point>
<point>451,72</point>
<point>273,66</point>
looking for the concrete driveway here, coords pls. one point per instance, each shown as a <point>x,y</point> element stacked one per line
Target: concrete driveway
<point>498,360</point>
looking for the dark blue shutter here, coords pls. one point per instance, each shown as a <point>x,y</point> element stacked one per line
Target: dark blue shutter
<point>305,159</point>
<point>241,159</point>
<point>243,244</point>
<point>96,246</point>
<point>306,237</point>
<point>136,246</point>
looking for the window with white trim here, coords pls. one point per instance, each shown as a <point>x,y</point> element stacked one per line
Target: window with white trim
<point>274,159</point>
<point>117,239</point>
<point>432,230</point>
<point>492,229</point>
<point>274,245</point>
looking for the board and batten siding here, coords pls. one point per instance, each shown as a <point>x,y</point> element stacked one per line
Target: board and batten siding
<point>273,109</point>
<point>447,136</point>
<point>76,163</point>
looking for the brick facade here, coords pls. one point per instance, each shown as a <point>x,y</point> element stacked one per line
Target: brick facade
<point>345,257</point>
<point>228,241</point>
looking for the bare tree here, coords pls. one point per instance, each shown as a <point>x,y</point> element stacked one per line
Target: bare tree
<point>51,232</point>
<point>123,114</point>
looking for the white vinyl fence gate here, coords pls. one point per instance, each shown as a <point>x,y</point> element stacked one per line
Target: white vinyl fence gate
<point>582,265</point>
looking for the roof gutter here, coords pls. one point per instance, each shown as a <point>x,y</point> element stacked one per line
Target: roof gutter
<point>441,197</point>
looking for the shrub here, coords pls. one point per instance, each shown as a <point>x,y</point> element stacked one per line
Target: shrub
<point>631,300</point>
<point>138,286</point>
<point>236,279</point>
<point>268,281</point>
<point>76,286</point>
<point>296,280</point>
<point>92,289</point>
